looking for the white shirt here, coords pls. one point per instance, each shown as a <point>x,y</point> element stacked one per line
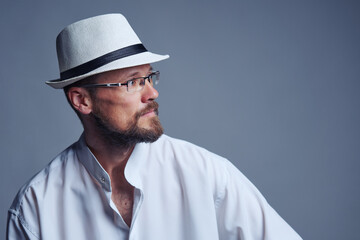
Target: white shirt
<point>182,192</point>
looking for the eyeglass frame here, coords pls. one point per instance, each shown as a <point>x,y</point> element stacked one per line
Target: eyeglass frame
<point>141,83</point>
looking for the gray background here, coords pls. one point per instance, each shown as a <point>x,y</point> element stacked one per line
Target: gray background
<point>271,85</point>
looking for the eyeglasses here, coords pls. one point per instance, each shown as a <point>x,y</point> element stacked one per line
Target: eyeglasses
<point>133,85</point>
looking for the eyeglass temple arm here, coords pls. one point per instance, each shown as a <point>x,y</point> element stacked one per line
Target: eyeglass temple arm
<point>104,85</point>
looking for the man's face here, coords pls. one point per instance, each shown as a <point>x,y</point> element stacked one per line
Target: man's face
<point>125,118</point>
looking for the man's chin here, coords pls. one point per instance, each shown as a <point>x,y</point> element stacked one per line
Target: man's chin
<point>153,130</point>
<point>148,123</point>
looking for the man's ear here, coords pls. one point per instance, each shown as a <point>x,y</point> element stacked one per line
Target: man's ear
<point>80,100</point>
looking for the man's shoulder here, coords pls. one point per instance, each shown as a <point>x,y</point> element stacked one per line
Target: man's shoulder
<point>39,182</point>
<point>187,153</point>
<point>191,163</point>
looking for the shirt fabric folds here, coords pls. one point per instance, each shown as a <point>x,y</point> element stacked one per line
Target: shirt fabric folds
<point>182,192</point>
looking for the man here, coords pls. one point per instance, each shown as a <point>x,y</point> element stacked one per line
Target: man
<point>124,179</point>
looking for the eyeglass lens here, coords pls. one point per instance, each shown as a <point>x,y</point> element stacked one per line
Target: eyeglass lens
<point>138,84</point>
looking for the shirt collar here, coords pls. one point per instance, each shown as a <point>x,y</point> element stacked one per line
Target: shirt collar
<point>92,165</point>
<point>136,162</point>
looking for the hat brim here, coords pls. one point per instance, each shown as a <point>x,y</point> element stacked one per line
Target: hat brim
<point>131,61</point>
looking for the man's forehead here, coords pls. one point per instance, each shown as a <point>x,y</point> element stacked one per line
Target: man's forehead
<point>133,71</point>
<point>125,73</point>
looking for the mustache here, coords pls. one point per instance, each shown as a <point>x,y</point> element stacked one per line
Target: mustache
<point>151,106</point>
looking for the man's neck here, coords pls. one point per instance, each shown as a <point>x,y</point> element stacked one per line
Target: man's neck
<point>110,156</point>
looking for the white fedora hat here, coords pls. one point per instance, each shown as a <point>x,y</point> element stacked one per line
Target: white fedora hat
<point>98,44</point>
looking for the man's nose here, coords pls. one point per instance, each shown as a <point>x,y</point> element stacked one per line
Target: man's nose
<point>149,93</point>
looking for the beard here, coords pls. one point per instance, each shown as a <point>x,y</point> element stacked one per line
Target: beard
<point>133,134</point>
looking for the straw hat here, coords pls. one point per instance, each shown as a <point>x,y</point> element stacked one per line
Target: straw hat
<point>98,44</point>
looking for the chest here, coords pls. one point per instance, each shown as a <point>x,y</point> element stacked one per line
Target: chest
<point>123,199</point>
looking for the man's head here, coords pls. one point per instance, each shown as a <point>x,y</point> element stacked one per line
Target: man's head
<point>105,49</point>
<point>121,116</point>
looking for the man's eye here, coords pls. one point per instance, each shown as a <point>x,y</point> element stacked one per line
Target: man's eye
<point>133,82</point>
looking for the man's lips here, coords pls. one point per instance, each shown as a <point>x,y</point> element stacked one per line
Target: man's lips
<point>151,109</point>
<point>150,112</point>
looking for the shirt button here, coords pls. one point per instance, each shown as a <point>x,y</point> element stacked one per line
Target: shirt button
<point>102,179</point>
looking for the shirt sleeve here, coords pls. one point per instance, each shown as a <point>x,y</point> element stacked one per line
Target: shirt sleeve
<point>243,213</point>
<point>17,229</point>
